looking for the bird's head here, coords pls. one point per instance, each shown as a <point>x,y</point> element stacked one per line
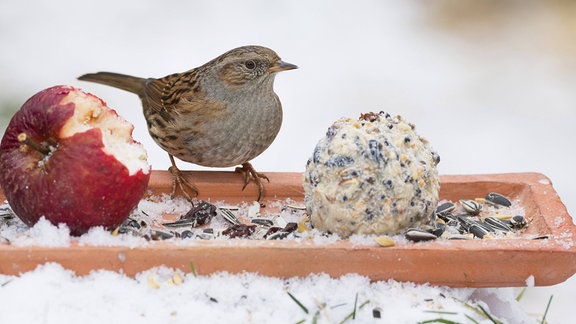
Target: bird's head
<point>249,66</point>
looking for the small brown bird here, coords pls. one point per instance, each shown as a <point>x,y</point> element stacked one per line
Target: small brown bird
<point>221,114</point>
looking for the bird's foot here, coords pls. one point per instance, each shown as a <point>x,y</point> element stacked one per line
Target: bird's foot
<point>250,174</point>
<point>178,181</point>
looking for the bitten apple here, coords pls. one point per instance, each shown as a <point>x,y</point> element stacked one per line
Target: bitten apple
<point>68,157</point>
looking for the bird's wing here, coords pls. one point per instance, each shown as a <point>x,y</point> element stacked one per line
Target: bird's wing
<point>163,95</point>
<point>180,93</point>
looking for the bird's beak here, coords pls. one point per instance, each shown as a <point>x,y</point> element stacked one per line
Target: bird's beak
<point>281,66</point>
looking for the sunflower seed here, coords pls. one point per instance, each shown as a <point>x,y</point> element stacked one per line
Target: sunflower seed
<point>229,216</point>
<point>271,231</point>
<point>293,208</point>
<point>439,229</point>
<point>263,221</point>
<point>465,222</point>
<point>485,226</point>
<point>417,235</point>
<point>444,209</point>
<point>157,235</point>
<point>130,222</point>
<point>206,234</point>
<point>497,224</point>
<point>278,235</point>
<point>259,233</point>
<point>518,221</point>
<point>478,230</point>
<point>6,213</point>
<point>186,234</point>
<point>229,207</point>
<point>497,200</point>
<point>472,207</point>
<point>180,223</point>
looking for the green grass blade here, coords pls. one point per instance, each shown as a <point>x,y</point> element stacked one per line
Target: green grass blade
<point>521,294</point>
<point>193,268</point>
<point>439,320</point>
<point>441,312</point>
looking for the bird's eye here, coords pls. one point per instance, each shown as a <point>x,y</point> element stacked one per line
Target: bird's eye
<point>250,64</point>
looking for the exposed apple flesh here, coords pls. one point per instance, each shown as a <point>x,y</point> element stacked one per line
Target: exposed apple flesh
<point>68,157</point>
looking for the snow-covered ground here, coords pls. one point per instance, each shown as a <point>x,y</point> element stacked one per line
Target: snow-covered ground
<point>161,295</point>
<point>490,84</point>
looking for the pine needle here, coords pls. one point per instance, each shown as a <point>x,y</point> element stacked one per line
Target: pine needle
<point>353,313</point>
<point>480,311</point>
<point>488,315</point>
<point>439,320</point>
<point>470,318</point>
<point>441,312</point>
<point>355,304</point>
<point>298,303</point>
<point>338,305</point>
<point>315,317</point>
<point>546,311</point>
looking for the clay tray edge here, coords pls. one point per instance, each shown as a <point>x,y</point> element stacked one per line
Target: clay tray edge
<point>474,263</point>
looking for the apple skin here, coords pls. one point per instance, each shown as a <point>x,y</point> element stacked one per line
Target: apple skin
<point>77,183</point>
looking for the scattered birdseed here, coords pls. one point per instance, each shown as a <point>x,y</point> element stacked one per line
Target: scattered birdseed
<point>283,220</point>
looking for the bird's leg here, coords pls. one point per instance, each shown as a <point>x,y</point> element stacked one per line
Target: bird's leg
<point>248,171</point>
<point>183,184</point>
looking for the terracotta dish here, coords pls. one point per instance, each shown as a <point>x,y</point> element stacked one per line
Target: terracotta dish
<point>472,263</point>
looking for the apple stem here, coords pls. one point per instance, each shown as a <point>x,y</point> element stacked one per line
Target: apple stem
<point>24,139</point>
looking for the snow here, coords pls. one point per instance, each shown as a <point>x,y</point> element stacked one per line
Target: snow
<point>502,301</point>
<point>98,236</point>
<point>500,81</point>
<point>43,233</point>
<point>544,181</point>
<point>530,281</point>
<point>162,295</point>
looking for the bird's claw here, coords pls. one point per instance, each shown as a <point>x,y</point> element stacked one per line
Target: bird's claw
<point>249,173</point>
<point>184,185</point>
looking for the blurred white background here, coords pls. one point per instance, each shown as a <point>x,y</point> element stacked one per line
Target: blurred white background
<point>491,84</point>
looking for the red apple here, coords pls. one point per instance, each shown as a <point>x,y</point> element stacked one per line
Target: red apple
<point>68,157</point>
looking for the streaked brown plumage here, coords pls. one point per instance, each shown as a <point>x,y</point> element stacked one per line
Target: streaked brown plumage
<point>221,114</point>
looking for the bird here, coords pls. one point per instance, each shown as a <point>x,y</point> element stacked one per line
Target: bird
<point>221,114</point>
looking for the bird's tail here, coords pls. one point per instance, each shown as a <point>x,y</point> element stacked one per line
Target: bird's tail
<point>117,80</point>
